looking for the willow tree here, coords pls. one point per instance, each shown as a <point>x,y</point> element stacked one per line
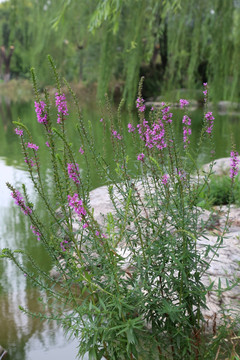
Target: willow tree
<point>177,43</point>
<point>26,24</point>
<point>190,41</point>
<point>203,44</point>
<point>30,26</point>
<point>196,41</point>
<point>131,32</point>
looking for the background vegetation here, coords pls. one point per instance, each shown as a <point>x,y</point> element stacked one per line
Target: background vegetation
<point>111,43</point>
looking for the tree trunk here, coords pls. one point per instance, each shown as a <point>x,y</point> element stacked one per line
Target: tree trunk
<point>6,60</point>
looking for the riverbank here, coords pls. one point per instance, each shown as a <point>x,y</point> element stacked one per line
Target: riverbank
<point>21,90</point>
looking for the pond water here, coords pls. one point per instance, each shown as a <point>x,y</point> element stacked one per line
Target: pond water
<point>24,337</point>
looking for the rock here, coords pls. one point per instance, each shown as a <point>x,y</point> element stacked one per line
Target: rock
<point>55,274</point>
<point>101,203</point>
<point>220,166</point>
<point>224,106</point>
<point>193,104</point>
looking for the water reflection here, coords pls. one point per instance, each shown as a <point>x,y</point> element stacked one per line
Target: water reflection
<point>5,112</point>
<point>24,337</point>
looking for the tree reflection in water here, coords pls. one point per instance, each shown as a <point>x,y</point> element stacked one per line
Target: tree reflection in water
<point>24,337</point>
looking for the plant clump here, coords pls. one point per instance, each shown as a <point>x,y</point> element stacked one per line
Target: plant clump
<point>132,285</point>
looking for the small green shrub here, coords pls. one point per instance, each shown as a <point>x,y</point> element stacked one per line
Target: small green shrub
<point>219,191</point>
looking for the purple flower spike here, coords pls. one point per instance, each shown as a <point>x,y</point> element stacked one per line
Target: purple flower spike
<point>205,92</point>
<point>30,161</point>
<point>41,112</point>
<point>131,128</point>
<point>210,122</point>
<point>186,130</point>
<point>234,164</point>
<point>62,244</point>
<point>61,105</point>
<point>140,105</point>
<point>165,178</point>
<point>116,135</point>
<point>36,232</point>
<point>18,200</point>
<point>73,172</point>
<point>77,205</point>
<point>32,146</point>
<point>166,115</point>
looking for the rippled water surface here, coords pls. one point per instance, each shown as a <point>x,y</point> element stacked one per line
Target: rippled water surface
<point>24,337</point>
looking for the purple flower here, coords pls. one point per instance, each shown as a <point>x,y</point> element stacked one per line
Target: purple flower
<point>62,244</point>
<point>103,236</point>
<point>77,205</point>
<point>116,135</point>
<point>182,174</point>
<point>131,128</point>
<point>101,120</point>
<point>153,136</point>
<point>19,131</point>
<point>234,164</point>
<point>73,172</point>
<point>209,122</point>
<point>186,130</point>
<point>18,200</point>
<point>61,105</point>
<point>165,178</point>
<point>47,144</point>
<point>186,120</point>
<point>36,232</point>
<point>166,115</point>
<point>32,146</point>
<point>29,161</point>
<point>81,151</point>
<point>205,91</point>
<point>152,108</point>
<point>141,157</point>
<point>85,225</point>
<point>41,112</point>
<point>183,103</point>
<point>140,105</point>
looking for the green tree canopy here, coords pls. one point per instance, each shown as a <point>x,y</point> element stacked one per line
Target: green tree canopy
<point>176,43</point>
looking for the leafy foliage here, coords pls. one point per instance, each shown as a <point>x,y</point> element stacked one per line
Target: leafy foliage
<point>178,44</point>
<point>219,191</point>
